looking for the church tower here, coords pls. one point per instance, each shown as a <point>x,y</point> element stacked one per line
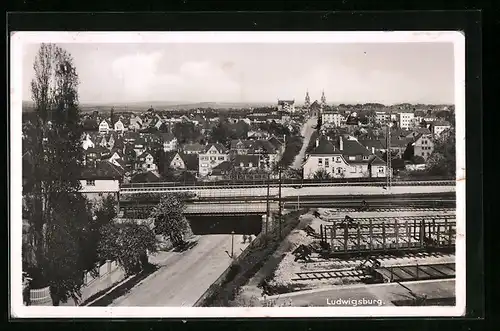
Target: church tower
<point>307,103</point>
<point>323,99</point>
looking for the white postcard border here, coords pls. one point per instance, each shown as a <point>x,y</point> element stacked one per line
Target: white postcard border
<point>18,39</point>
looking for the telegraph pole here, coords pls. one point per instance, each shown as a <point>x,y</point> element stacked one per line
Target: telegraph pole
<point>267,202</point>
<point>279,201</point>
<point>388,177</point>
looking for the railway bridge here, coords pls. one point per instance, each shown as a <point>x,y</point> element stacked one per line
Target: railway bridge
<point>218,218</point>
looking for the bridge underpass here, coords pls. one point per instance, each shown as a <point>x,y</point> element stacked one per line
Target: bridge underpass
<point>225,224</point>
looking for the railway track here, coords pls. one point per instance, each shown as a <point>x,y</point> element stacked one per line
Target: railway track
<point>384,259</point>
<point>440,219</point>
<point>393,209</point>
<point>392,273</point>
<point>329,274</point>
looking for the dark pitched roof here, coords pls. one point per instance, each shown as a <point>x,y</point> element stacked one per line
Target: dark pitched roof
<point>169,156</point>
<point>354,148</point>
<point>275,142</point>
<point>377,161</point>
<point>196,147</point>
<point>325,147</point>
<point>167,137</point>
<point>145,177</point>
<point>144,154</point>
<point>102,170</point>
<point>441,123</point>
<point>264,145</point>
<point>417,131</point>
<point>377,144</point>
<point>224,166</point>
<point>246,160</point>
<point>219,147</point>
<point>191,161</point>
<point>315,104</point>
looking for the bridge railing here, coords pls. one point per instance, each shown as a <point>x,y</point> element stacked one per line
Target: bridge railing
<point>333,181</point>
<point>159,188</point>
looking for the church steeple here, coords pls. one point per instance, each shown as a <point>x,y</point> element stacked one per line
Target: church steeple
<point>307,104</point>
<point>323,98</point>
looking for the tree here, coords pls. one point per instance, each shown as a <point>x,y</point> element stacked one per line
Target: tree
<point>186,132</point>
<point>169,219</point>
<point>442,161</point>
<point>103,215</point>
<point>321,174</point>
<point>128,243</point>
<point>221,133</point>
<point>58,226</point>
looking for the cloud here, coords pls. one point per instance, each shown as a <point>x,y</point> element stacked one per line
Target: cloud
<point>140,76</point>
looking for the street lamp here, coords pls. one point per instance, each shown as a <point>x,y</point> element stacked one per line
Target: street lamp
<point>232,244</point>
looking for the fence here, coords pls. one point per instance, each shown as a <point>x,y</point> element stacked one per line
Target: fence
<point>40,297</point>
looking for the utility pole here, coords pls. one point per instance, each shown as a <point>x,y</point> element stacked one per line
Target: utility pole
<point>388,177</point>
<point>267,202</point>
<point>279,201</point>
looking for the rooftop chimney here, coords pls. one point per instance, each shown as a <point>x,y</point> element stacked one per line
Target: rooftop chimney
<point>373,150</point>
<point>341,144</point>
<point>317,142</point>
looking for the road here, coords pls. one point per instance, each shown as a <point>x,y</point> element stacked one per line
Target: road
<point>307,131</point>
<point>183,277</point>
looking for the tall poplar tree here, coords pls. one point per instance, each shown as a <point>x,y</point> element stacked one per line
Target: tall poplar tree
<point>59,213</point>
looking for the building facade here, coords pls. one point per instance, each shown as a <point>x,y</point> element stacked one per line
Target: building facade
<point>211,157</point>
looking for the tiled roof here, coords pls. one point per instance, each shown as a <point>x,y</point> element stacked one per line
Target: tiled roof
<point>354,148</point>
<point>441,123</point>
<point>102,170</point>
<point>191,161</point>
<point>224,166</point>
<point>144,154</point>
<point>219,148</point>
<point>168,156</point>
<point>325,147</point>
<point>377,161</point>
<point>167,137</point>
<point>264,145</point>
<point>377,144</point>
<point>196,147</point>
<point>145,177</point>
<point>246,160</point>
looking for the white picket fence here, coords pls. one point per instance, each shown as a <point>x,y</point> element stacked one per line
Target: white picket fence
<point>104,270</point>
<point>40,297</point>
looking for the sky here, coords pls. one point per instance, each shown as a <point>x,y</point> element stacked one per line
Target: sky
<point>385,73</point>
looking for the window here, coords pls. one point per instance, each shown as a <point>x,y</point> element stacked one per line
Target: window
<point>380,170</point>
<point>213,152</point>
<point>100,194</point>
<point>365,157</point>
<point>90,182</point>
<point>337,159</point>
<point>221,158</point>
<point>327,163</point>
<point>352,158</point>
<point>204,165</point>
<point>148,166</point>
<point>212,158</point>
<point>320,162</point>
<point>353,169</point>
<point>339,170</point>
